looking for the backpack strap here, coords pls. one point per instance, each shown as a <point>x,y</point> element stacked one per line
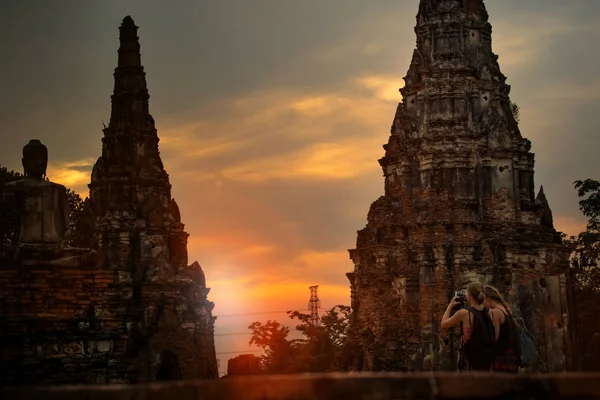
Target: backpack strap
<point>470,310</point>
<point>509,315</point>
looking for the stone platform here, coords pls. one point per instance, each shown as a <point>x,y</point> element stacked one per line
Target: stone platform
<point>356,386</point>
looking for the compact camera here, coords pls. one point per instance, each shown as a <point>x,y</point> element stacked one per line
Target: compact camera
<point>460,298</point>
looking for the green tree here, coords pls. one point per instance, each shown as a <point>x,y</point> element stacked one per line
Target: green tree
<point>82,221</point>
<point>585,276</point>
<point>324,344</point>
<point>9,221</point>
<point>336,322</point>
<point>585,247</point>
<point>516,111</point>
<point>320,350</point>
<point>271,337</point>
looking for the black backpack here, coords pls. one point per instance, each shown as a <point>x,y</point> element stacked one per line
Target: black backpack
<point>480,349</point>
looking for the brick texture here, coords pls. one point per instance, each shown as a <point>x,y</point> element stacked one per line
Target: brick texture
<point>459,206</point>
<point>137,313</point>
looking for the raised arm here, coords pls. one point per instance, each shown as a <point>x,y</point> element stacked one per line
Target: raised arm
<point>450,321</point>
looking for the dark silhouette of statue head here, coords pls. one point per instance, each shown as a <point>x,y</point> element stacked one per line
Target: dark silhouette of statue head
<point>35,159</point>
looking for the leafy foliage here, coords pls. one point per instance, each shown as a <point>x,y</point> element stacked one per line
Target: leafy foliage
<point>82,222</point>
<point>516,111</point>
<point>585,247</point>
<point>272,338</point>
<point>320,350</point>
<point>585,275</point>
<point>9,220</point>
<point>336,323</point>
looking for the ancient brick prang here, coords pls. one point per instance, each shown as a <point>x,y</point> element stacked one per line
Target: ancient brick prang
<point>141,238</point>
<point>138,226</point>
<point>459,206</point>
<point>131,311</point>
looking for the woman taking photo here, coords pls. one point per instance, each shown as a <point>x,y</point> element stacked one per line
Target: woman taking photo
<point>507,351</point>
<point>479,334</point>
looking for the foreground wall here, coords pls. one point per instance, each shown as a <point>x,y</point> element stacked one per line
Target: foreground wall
<point>69,324</point>
<point>337,386</point>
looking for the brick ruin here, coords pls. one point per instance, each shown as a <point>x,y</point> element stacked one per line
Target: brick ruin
<point>459,206</point>
<point>244,364</point>
<point>132,310</point>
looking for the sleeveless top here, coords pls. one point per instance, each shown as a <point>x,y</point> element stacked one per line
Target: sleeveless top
<point>507,358</point>
<point>505,338</point>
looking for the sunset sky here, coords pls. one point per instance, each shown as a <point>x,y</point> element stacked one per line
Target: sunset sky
<point>272,114</point>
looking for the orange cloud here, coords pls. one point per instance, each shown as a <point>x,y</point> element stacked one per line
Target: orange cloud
<point>324,136</point>
<point>569,225</point>
<point>385,88</point>
<point>342,160</point>
<point>74,175</point>
<point>189,141</point>
<point>258,250</point>
<point>256,256</point>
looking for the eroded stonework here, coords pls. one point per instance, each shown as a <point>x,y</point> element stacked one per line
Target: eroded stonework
<point>459,206</point>
<point>131,311</point>
<point>141,238</point>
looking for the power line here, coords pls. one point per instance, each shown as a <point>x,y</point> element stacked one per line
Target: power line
<point>238,352</point>
<point>232,333</point>
<point>257,313</point>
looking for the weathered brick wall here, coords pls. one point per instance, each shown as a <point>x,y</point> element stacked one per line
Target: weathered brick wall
<point>138,313</point>
<point>82,325</point>
<point>59,324</point>
<point>459,206</point>
<point>245,364</point>
<point>165,311</point>
<point>404,280</point>
<point>337,386</point>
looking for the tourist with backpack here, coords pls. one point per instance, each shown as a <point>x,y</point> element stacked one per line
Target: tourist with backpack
<point>477,351</point>
<point>516,345</point>
<point>507,345</point>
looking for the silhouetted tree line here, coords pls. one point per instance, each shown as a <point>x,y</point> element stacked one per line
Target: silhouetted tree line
<point>322,349</point>
<point>585,278</point>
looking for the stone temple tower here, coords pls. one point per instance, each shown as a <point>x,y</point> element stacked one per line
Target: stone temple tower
<point>139,236</point>
<point>139,226</point>
<point>458,206</point>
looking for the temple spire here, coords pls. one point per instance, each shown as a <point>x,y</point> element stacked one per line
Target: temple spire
<point>129,49</point>
<point>431,9</point>
<point>458,187</point>
<point>130,97</point>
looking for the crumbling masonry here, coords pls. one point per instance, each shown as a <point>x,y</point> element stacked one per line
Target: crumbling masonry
<point>141,237</point>
<point>136,312</point>
<point>459,206</point>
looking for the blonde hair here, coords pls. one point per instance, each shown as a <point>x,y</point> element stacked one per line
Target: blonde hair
<point>475,289</point>
<point>493,294</point>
